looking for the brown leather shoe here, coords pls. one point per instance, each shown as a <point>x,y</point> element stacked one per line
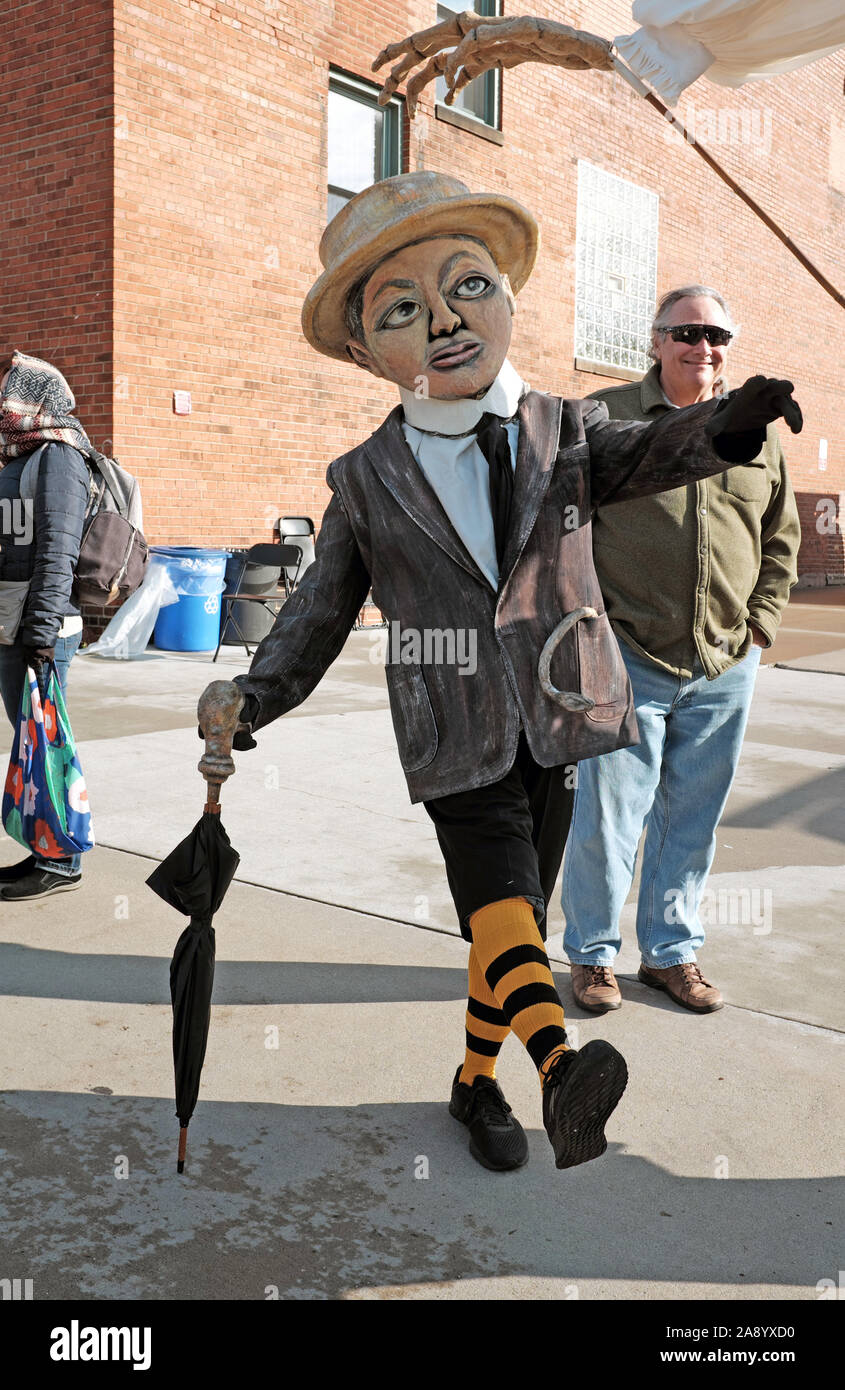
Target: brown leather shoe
<point>595,988</point>
<point>686,985</point>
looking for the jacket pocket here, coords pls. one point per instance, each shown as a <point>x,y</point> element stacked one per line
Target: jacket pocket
<point>603,675</point>
<point>413,718</point>
<point>748,481</point>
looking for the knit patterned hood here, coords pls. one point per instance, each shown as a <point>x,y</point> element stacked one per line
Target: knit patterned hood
<point>37,406</point>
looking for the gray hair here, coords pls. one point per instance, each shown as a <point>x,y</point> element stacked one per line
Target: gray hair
<point>671,298</point>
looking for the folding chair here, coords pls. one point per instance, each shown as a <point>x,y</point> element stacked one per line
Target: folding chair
<point>360,624</point>
<point>298,531</point>
<point>282,558</point>
<point>295,526</point>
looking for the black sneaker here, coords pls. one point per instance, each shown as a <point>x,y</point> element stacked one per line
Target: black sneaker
<point>39,883</point>
<point>581,1091</point>
<point>496,1138</point>
<point>13,872</point>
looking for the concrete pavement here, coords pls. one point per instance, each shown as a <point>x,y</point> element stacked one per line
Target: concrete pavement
<point>322,1160</point>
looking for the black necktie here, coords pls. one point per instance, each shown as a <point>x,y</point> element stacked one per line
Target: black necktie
<point>492,440</point>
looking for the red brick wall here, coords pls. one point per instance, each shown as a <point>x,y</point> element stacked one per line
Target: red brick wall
<point>789,325</point>
<point>56,115</point>
<point>219,204</point>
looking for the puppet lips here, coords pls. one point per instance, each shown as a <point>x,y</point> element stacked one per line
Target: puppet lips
<point>457,354</point>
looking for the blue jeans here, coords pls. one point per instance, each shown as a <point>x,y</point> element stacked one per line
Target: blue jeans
<point>12,674</point>
<point>675,782</point>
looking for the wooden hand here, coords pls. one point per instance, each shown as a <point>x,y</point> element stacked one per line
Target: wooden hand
<point>461,48</point>
<point>217,712</point>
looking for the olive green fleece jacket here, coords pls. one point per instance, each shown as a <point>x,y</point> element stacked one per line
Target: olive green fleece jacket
<point>685,572</point>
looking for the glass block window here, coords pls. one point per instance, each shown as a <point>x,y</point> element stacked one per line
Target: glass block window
<point>480,98</point>
<point>615,269</point>
<point>364,140</point>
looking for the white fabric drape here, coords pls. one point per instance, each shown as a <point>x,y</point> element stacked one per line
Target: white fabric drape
<point>732,41</point>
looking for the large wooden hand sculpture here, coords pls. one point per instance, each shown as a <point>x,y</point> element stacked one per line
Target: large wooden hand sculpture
<point>481,42</point>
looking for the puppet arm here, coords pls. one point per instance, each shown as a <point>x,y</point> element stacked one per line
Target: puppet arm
<point>634,459</point>
<point>310,629</point>
<point>468,44</point>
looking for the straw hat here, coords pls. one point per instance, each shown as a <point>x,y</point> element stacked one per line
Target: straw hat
<point>391,214</point>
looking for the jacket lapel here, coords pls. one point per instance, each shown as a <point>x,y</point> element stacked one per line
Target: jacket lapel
<point>392,459</point>
<point>539,432</point>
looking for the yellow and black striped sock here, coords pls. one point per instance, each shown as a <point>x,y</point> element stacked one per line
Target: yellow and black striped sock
<point>513,957</point>
<point>486,1026</point>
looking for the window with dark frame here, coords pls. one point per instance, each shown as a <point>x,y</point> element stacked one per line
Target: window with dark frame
<point>364,139</point>
<point>480,98</point>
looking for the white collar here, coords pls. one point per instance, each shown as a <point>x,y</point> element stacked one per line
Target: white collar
<point>460,417</point>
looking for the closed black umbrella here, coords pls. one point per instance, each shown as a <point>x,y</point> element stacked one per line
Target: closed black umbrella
<point>194,880</point>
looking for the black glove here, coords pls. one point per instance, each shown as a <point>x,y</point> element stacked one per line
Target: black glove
<point>39,659</point>
<point>744,414</point>
<point>243,739</point>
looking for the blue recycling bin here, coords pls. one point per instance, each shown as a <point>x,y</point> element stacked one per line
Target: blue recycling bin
<point>199,575</point>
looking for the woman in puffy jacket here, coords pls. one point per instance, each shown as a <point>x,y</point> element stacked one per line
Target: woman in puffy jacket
<point>39,543</point>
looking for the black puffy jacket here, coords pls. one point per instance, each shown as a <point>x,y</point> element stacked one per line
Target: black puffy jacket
<point>41,542</point>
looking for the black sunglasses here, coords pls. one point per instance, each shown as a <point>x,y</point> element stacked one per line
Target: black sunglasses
<point>692,333</point>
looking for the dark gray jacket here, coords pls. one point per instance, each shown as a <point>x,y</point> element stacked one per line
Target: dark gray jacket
<point>44,548</point>
<point>385,527</point>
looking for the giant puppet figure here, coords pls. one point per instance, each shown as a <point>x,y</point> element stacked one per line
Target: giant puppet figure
<point>468,513</point>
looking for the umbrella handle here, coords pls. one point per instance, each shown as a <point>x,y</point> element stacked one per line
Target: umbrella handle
<point>217,712</point>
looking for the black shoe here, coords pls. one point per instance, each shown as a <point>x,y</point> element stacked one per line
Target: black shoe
<point>496,1138</point>
<point>581,1091</point>
<point>39,883</point>
<point>13,872</point>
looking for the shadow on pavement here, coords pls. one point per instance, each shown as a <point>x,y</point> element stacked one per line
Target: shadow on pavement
<point>105,979</point>
<point>29,972</point>
<point>817,806</point>
<point>318,1201</point>
<point>134,979</point>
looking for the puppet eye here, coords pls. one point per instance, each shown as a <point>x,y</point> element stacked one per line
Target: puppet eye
<point>400,314</point>
<point>472,287</point>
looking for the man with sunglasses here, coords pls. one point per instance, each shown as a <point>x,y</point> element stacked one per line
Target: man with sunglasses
<point>694,580</point>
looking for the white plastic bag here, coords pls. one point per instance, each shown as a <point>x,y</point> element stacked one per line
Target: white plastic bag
<point>132,626</point>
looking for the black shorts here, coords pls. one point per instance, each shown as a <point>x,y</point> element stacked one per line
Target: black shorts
<point>506,840</point>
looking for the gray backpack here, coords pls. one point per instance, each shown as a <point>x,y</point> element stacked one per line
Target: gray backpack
<point>113,553</point>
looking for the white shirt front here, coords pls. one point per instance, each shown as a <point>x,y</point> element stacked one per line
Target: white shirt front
<point>441,437</point>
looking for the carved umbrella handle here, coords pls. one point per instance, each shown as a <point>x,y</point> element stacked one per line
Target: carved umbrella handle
<point>217,712</point>
<point>570,699</point>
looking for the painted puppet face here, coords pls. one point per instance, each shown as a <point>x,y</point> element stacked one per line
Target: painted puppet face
<point>437,319</point>
<point>687,373</point>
